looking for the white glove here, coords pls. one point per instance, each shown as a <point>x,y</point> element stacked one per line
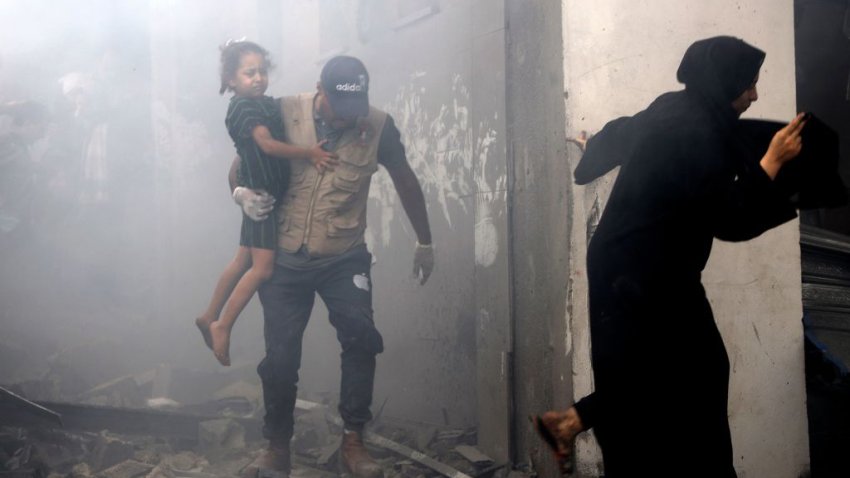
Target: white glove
<point>255,204</point>
<point>423,262</point>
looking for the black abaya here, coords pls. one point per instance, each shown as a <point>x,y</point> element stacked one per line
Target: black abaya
<point>660,367</point>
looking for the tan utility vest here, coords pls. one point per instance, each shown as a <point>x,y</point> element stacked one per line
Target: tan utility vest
<point>327,212</point>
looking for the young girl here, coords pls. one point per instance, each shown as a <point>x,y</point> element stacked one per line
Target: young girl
<point>255,125</point>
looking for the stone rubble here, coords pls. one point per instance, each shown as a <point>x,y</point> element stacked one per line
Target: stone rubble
<point>223,446</point>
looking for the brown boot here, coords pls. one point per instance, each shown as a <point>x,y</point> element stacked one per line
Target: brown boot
<point>355,459</point>
<point>273,462</point>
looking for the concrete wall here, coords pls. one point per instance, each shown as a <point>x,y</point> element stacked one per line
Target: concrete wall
<point>539,193</point>
<point>619,55</point>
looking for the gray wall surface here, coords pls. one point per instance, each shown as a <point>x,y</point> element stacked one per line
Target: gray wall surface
<point>539,226</point>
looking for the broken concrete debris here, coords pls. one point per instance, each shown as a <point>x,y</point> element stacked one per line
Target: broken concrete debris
<point>148,426</point>
<point>108,451</point>
<point>474,455</point>
<point>126,469</point>
<point>14,403</point>
<point>220,434</point>
<point>220,452</point>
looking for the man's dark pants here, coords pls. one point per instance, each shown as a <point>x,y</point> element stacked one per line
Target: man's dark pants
<point>287,299</point>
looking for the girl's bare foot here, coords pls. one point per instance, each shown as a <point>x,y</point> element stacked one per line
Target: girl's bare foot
<point>204,326</point>
<point>220,336</point>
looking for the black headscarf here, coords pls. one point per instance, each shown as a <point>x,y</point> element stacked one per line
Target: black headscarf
<point>720,69</point>
<point>715,72</point>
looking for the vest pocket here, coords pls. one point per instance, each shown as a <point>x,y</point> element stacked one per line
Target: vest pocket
<point>347,180</point>
<point>341,226</point>
<point>360,160</point>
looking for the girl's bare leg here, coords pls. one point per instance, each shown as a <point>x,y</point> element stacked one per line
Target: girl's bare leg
<point>231,275</point>
<point>260,271</point>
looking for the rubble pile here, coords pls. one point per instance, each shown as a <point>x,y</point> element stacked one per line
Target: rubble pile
<point>222,451</point>
<point>54,453</point>
<point>132,427</point>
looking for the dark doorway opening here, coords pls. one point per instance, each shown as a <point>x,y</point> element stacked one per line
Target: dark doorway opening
<point>822,41</point>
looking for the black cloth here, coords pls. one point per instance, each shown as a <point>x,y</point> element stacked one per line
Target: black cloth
<point>258,170</point>
<point>660,367</point>
<point>720,68</point>
<point>812,179</point>
<point>287,299</point>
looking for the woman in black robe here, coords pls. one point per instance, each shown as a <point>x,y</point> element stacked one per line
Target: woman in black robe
<point>660,367</point>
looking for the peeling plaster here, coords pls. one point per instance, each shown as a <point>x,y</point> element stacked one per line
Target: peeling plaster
<point>440,149</point>
<point>486,235</point>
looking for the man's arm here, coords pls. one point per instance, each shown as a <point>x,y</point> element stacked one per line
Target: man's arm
<point>391,155</point>
<point>412,199</point>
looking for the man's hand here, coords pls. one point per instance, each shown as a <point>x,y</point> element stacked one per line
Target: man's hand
<point>423,262</point>
<point>255,204</point>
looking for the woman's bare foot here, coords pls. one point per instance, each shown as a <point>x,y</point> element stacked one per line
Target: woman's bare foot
<point>564,427</point>
<point>204,326</point>
<point>220,336</point>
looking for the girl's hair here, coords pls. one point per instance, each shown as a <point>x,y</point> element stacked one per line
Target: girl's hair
<point>231,53</point>
<point>23,112</point>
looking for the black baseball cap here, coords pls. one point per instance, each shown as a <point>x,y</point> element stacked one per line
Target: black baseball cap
<point>346,84</point>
